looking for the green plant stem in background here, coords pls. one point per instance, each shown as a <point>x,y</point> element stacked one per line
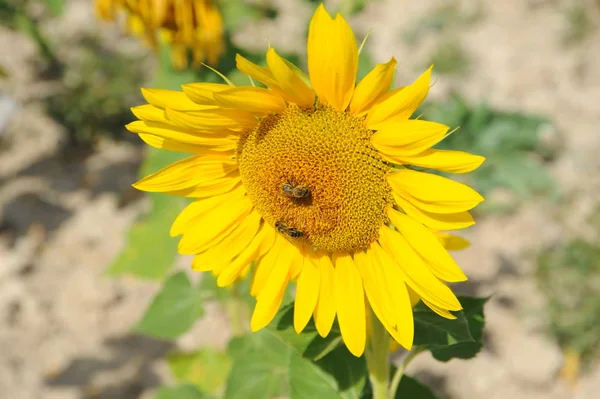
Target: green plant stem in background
<point>400,371</point>
<point>378,361</point>
<point>235,311</point>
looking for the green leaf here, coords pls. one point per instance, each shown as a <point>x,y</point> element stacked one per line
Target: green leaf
<point>185,391</point>
<point>56,7</point>
<point>447,339</point>
<point>173,311</point>
<point>473,312</point>
<point>150,251</point>
<point>411,388</point>
<point>432,330</point>
<point>278,362</point>
<point>207,369</point>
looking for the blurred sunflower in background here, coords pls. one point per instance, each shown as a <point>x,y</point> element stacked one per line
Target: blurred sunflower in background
<point>314,181</point>
<point>194,26</point>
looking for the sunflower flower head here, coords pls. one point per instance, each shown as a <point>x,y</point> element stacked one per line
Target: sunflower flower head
<point>310,180</point>
<point>194,26</point>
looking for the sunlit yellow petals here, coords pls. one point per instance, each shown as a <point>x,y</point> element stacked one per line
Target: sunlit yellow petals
<point>203,93</point>
<point>440,311</point>
<point>407,137</point>
<point>172,145</point>
<point>261,243</point>
<point>183,135</point>
<point>433,193</point>
<point>266,306</point>
<point>426,244</point>
<point>402,103</point>
<point>332,58</point>
<point>188,172</point>
<point>170,99</point>
<point>437,221</point>
<point>350,303</point>
<point>210,228</point>
<point>262,74</point>
<point>416,273</point>
<point>211,188</point>
<point>213,119</point>
<point>397,320</point>
<point>325,310</point>
<point>307,294</point>
<point>199,207</point>
<point>251,99</point>
<point>294,89</point>
<point>150,113</point>
<point>452,242</point>
<point>279,257</point>
<point>270,294</point>
<point>444,160</point>
<point>233,244</point>
<point>372,87</point>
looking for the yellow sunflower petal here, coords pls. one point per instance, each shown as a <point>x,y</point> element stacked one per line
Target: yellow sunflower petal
<point>170,99</point>
<point>172,145</point>
<point>199,207</point>
<point>325,310</point>
<point>350,304</point>
<point>188,172</point>
<point>280,253</point>
<point>444,160</point>
<point>213,119</point>
<point>416,273</point>
<point>150,113</point>
<point>397,319</point>
<point>332,58</point>
<point>407,137</point>
<point>210,228</point>
<point>391,279</point>
<point>426,244</point>
<point>433,193</point>
<point>307,294</point>
<point>228,183</point>
<point>372,87</point>
<point>401,104</point>
<point>292,85</point>
<point>182,135</point>
<point>437,221</point>
<point>233,244</point>
<point>262,74</point>
<point>452,242</point>
<point>250,99</point>
<point>440,311</point>
<point>261,244</point>
<point>203,93</point>
<point>270,295</point>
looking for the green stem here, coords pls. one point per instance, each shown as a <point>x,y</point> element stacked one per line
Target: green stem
<point>400,372</point>
<point>378,361</point>
<point>234,310</point>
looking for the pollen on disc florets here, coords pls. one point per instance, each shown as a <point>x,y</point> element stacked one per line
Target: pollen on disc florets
<point>328,152</point>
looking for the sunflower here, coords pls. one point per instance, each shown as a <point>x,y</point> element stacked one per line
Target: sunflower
<point>186,25</point>
<point>313,181</point>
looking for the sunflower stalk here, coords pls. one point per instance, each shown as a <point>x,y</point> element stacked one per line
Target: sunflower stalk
<point>235,311</point>
<point>378,360</point>
<point>400,371</point>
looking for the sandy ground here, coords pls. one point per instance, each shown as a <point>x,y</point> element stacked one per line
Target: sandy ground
<point>64,330</point>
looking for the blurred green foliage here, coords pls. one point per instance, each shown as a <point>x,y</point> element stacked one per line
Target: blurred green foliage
<point>579,23</point>
<point>449,57</point>
<point>516,158</point>
<point>569,276</point>
<point>97,91</point>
